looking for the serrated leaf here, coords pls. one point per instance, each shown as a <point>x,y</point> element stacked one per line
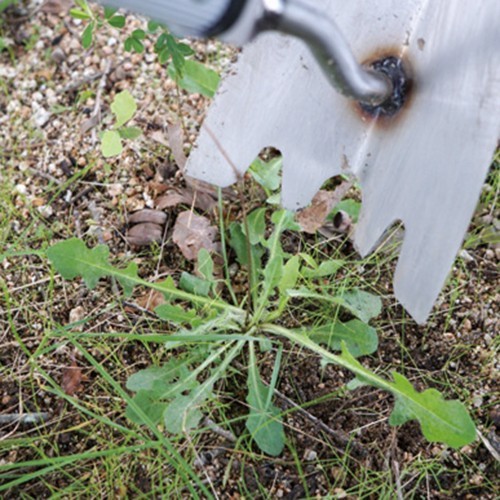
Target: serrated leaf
<point>71,259</point>
<point>149,405</point>
<point>177,315</point>
<point>195,285</point>
<point>128,278</point>
<point>156,378</point>
<point>327,268</point>
<point>360,338</point>
<point>111,144</point>
<point>181,415</point>
<point>123,107</point>
<point>196,77</point>
<point>263,421</point>
<point>441,420</point>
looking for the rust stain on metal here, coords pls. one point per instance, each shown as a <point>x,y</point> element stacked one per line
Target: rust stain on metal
<point>398,69</point>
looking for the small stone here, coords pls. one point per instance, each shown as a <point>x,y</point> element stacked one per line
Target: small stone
<point>310,455</point>
<point>45,211</point>
<point>58,55</point>
<point>41,116</point>
<point>75,315</point>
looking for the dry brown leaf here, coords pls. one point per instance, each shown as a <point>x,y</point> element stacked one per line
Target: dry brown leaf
<point>186,196</point>
<point>314,216</point>
<point>72,379</point>
<point>151,300</point>
<point>144,234</point>
<point>173,198</point>
<point>56,6</point>
<point>175,136</point>
<point>148,215</point>
<point>192,233</point>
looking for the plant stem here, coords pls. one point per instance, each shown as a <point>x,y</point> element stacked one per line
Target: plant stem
<point>224,248</point>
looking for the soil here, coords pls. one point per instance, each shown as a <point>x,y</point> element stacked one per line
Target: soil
<point>62,187</point>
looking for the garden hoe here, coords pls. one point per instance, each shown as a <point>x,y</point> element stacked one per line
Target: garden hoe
<point>405,95</point>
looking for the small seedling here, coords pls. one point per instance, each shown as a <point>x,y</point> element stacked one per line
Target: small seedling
<point>124,108</point>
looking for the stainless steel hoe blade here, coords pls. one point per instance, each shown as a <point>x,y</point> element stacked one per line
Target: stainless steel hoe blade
<point>424,166</point>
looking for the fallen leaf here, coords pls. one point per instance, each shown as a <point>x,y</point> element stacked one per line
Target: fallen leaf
<point>192,233</point>
<point>72,379</point>
<point>314,216</point>
<point>151,300</point>
<point>144,234</point>
<point>186,196</point>
<point>175,136</point>
<point>148,215</point>
<point>56,6</point>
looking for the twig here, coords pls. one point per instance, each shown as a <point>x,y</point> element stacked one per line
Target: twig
<point>97,106</point>
<point>27,418</point>
<point>489,446</point>
<point>397,478</point>
<point>219,430</point>
<point>82,81</point>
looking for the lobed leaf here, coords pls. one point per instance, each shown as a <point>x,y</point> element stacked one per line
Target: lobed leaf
<point>360,338</point>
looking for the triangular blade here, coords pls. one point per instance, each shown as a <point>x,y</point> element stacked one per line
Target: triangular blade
<point>425,167</point>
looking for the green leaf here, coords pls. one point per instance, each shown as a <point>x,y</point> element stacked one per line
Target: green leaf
<point>148,404</point>
<point>177,315</point>
<point>360,338</point>
<point>238,242</point>
<point>117,21</point>
<point>128,278</point>
<point>79,14</point>
<point>123,107</point>
<point>267,174</point>
<point>129,132</point>
<point>290,275</point>
<point>440,420</point>
<point>361,304</point>
<point>196,78</point>
<point>71,258</point>
<point>327,268</point>
<point>272,274</point>
<point>195,285</point>
<point>87,36</point>
<point>350,207</point>
<point>111,144</point>
<point>256,226</point>
<point>182,415</point>
<point>206,265</point>
<point>263,421</point>
<point>156,378</point>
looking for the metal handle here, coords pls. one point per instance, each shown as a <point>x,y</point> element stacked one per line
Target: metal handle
<point>302,19</point>
<point>240,20</point>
